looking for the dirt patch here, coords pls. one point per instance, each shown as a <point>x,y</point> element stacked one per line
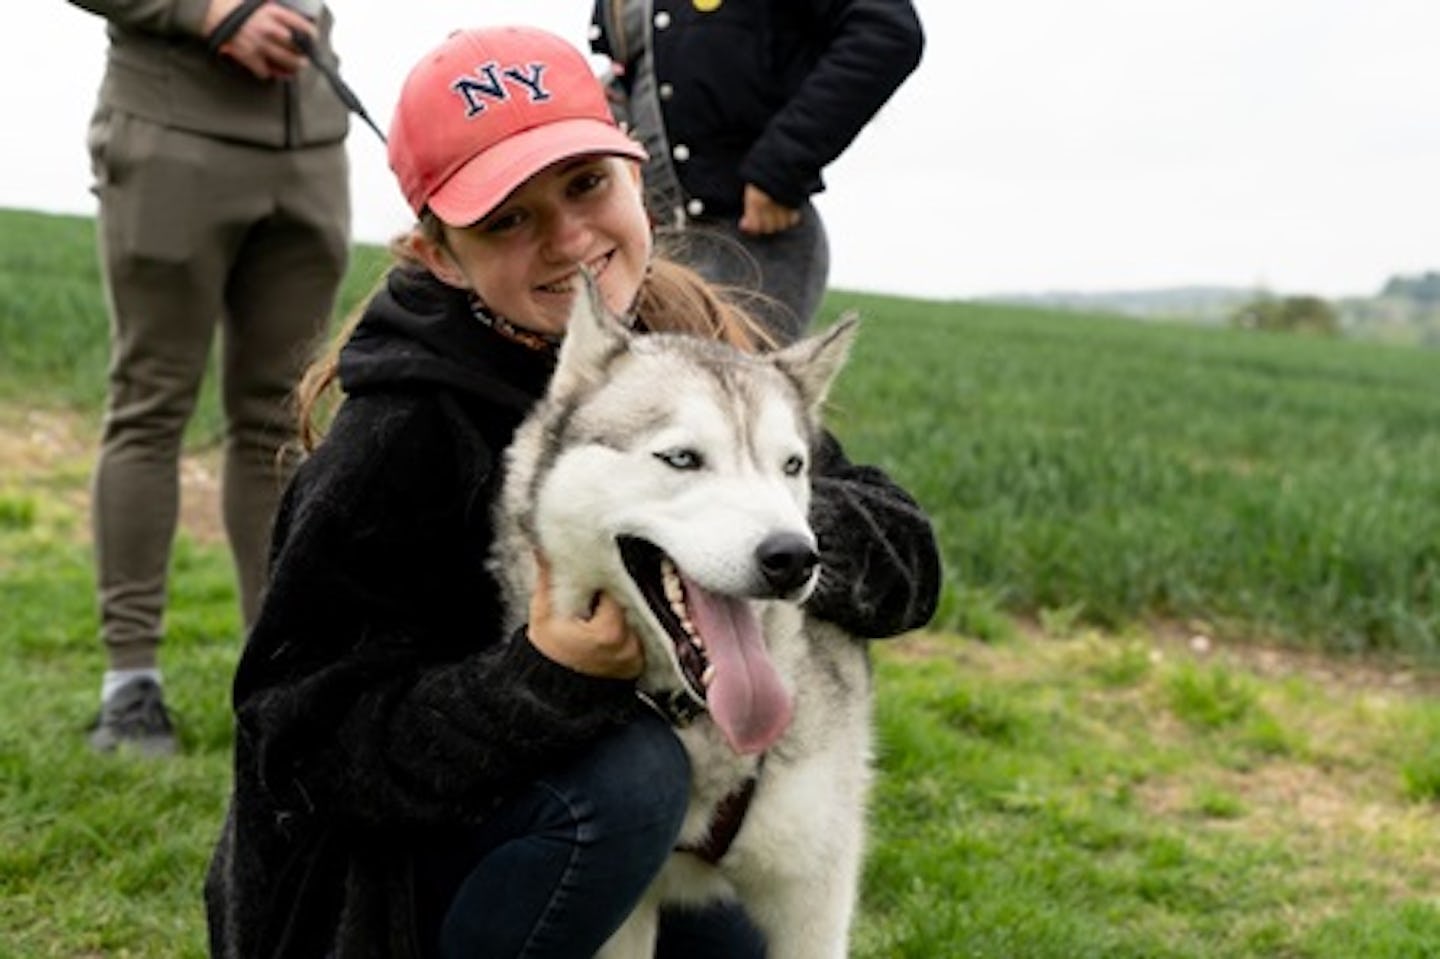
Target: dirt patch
<point>36,442</point>
<point>1269,657</point>
<point>1299,795</point>
<point>200,515</point>
<point>1370,681</point>
<point>58,450</point>
<point>1274,660</point>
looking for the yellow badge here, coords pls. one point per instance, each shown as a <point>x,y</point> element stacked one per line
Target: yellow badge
<point>707,6</point>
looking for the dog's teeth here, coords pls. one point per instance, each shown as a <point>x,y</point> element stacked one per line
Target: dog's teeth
<point>670,578</point>
<point>708,677</point>
<point>675,594</point>
<point>694,635</point>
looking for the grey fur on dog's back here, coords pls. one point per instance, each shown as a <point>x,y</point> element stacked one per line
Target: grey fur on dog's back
<point>693,447</point>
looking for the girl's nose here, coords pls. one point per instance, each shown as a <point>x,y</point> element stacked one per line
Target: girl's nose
<point>567,237</point>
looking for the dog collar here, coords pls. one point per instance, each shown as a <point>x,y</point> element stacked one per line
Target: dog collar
<point>678,707</point>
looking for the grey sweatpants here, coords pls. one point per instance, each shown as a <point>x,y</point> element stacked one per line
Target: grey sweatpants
<point>788,269</point>
<point>198,234</point>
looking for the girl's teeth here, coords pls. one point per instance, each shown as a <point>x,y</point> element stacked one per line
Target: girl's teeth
<point>567,286</point>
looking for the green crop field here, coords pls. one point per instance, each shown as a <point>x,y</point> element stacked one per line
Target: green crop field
<point>1113,471</point>
<point>1178,701</point>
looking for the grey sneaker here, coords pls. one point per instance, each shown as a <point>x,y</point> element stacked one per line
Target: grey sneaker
<point>134,717</point>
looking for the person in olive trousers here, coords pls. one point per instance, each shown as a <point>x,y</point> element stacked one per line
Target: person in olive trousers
<point>219,165</point>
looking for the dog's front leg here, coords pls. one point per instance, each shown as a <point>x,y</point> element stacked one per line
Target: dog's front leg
<point>807,919</point>
<point>636,938</point>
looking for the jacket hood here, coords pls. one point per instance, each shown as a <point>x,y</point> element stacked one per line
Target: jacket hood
<point>419,332</point>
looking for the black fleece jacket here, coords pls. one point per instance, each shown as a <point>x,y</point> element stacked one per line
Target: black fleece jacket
<point>757,91</point>
<point>377,701</point>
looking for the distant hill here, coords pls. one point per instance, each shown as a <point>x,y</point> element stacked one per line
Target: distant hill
<point>1199,304</point>
<point>1405,310</point>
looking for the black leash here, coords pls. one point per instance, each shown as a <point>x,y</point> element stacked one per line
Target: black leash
<point>342,90</point>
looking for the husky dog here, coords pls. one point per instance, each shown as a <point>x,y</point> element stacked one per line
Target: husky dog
<point>672,472</point>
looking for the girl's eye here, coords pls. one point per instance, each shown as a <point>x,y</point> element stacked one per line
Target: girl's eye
<point>681,459</point>
<point>794,466</point>
<point>503,222</point>
<point>587,181</point>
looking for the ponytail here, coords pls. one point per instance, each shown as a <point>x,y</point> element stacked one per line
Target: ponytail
<point>675,299</point>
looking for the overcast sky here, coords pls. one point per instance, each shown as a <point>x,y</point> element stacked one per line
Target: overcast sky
<point>1041,145</point>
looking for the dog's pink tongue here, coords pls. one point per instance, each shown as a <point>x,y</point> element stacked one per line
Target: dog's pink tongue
<point>746,698</point>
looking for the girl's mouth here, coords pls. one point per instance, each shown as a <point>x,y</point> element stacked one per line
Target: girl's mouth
<point>568,284</point>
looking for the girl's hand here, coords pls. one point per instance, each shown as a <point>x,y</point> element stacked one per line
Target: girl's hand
<point>601,644</point>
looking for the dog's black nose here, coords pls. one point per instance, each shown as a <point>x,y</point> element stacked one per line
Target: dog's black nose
<point>787,560</point>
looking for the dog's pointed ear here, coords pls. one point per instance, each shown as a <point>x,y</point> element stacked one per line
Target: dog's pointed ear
<point>593,339</point>
<point>814,361</point>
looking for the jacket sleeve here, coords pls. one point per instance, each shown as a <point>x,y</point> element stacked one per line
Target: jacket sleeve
<point>374,685</point>
<point>879,564</point>
<point>160,17</point>
<point>873,45</point>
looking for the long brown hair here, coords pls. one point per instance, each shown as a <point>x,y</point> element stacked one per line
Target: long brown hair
<point>672,298</point>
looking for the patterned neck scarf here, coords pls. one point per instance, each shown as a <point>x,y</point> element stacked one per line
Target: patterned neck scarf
<point>539,342</point>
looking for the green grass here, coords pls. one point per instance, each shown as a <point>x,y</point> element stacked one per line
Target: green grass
<point>1108,470</point>
<point>1044,789</point>
<point>1123,471</point>
<point>1049,799</point>
<point>103,857</point>
<point>1071,796</point>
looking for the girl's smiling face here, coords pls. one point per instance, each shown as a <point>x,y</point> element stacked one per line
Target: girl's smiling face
<point>523,258</point>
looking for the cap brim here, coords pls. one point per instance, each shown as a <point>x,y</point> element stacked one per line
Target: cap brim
<point>480,185</point>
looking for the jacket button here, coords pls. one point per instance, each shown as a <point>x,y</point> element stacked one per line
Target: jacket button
<point>695,207</point>
<point>666,91</point>
<point>662,20</point>
<point>681,152</point>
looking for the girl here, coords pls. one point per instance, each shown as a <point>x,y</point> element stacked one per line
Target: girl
<point>409,781</point>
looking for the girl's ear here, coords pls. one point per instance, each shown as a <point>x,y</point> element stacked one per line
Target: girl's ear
<point>438,259</point>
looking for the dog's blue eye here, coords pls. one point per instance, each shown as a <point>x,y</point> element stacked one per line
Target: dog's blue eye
<point>680,459</point>
<point>794,466</point>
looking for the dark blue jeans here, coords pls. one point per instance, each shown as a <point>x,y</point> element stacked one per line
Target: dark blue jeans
<point>789,269</point>
<point>558,868</point>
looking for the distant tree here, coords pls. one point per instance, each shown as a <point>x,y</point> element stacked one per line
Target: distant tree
<point>1289,314</point>
<point>1424,288</point>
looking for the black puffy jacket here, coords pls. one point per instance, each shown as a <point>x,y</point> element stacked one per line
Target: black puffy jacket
<point>755,91</point>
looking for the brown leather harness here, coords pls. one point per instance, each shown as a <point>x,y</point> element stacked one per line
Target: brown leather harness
<point>680,708</point>
<point>726,821</point>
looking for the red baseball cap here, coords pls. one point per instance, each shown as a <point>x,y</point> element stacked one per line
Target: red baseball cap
<point>490,108</point>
